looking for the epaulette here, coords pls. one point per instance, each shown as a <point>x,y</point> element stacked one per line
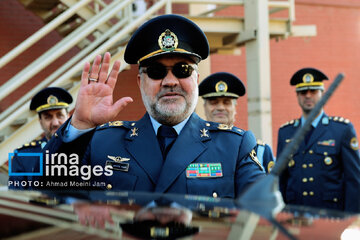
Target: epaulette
<point>339,119</point>
<point>294,122</point>
<point>260,142</point>
<point>31,144</point>
<point>213,126</point>
<point>125,124</point>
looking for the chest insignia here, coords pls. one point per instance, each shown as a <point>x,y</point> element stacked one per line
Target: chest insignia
<point>330,143</point>
<point>204,170</point>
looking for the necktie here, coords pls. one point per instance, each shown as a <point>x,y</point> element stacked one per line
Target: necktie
<point>166,136</point>
<point>308,135</point>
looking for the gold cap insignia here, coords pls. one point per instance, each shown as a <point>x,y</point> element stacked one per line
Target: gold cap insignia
<point>354,143</point>
<point>168,41</point>
<point>52,100</point>
<point>221,86</point>
<point>308,78</point>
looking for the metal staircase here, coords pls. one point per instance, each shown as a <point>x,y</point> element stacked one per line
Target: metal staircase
<point>99,26</point>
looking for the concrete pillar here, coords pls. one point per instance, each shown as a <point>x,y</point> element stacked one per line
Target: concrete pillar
<point>258,69</point>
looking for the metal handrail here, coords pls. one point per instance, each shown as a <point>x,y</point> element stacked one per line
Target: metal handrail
<point>61,47</point>
<point>42,32</point>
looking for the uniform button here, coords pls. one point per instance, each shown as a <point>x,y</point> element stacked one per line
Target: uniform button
<point>291,163</point>
<point>109,186</point>
<point>311,179</point>
<point>304,165</point>
<point>335,199</point>
<point>311,193</point>
<point>311,151</point>
<point>311,165</point>
<point>325,153</point>
<point>305,193</point>
<point>215,195</point>
<point>304,180</point>
<point>56,135</point>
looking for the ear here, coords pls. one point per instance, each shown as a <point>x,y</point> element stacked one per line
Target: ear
<point>138,80</point>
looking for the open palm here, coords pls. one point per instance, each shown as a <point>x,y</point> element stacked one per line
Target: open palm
<point>94,104</point>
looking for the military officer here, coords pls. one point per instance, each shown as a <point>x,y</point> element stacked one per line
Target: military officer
<point>170,149</point>
<point>220,92</point>
<point>51,104</point>
<point>325,170</point>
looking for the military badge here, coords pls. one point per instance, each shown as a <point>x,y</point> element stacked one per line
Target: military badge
<point>308,78</point>
<point>52,100</point>
<point>255,159</point>
<point>354,144</point>
<point>118,159</point>
<point>116,123</point>
<point>328,160</point>
<point>270,166</point>
<point>204,133</point>
<point>201,170</point>
<point>168,41</point>
<point>224,126</point>
<point>134,132</point>
<point>118,163</point>
<point>221,86</point>
<point>330,143</point>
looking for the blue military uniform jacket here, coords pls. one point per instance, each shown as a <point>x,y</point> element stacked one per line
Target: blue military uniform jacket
<point>264,155</point>
<point>133,149</point>
<point>20,164</point>
<point>325,172</point>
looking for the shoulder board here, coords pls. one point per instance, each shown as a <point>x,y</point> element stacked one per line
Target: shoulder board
<point>125,124</point>
<point>294,122</point>
<point>260,142</point>
<point>213,126</point>
<point>31,144</point>
<point>339,119</point>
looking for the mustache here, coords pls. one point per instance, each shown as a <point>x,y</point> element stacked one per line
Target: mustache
<point>166,90</point>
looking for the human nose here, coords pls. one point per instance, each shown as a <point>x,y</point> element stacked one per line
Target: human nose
<point>169,79</point>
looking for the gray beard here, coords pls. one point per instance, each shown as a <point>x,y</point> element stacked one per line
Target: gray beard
<point>161,113</point>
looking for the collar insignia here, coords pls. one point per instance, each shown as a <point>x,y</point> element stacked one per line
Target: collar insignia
<point>134,132</point>
<point>204,133</point>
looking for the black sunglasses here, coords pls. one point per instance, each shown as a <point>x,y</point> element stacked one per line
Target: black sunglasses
<point>158,71</point>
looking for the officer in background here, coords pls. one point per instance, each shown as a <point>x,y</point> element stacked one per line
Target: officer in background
<point>325,170</point>
<point>51,104</point>
<point>220,92</point>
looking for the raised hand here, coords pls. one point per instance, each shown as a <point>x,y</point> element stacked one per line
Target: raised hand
<point>94,104</point>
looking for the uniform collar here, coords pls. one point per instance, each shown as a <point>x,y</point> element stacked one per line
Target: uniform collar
<point>178,127</point>
<point>316,120</point>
